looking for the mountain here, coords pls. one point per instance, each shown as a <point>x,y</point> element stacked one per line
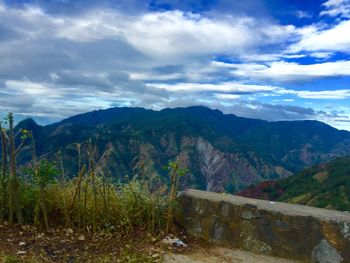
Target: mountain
<point>324,185</point>
<point>223,152</point>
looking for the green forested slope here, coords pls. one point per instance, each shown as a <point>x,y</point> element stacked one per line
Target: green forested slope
<point>325,185</point>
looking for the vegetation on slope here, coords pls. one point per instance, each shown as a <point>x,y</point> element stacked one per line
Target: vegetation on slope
<point>325,185</point>
<point>243,151</point>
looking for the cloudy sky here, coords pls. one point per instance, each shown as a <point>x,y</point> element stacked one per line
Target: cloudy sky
<point>268,59</point>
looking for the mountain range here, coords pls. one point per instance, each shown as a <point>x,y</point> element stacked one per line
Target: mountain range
<point>223,152</point>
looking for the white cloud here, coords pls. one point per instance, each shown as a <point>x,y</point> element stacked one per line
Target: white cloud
<point>321,55</point>
<point>233,87</point>
<point>174,34</point>
<point>323,94</point>
<point>303,14</point>
<point>289,71</point>
<point>31,89</point>
<point>336,8</point>
<point>222,96</point>
<point>336,38</point>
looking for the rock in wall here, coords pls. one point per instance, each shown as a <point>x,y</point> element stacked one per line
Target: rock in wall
<point>284,230</point>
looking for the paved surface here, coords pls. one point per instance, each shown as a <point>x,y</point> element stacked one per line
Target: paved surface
<point>222,255</point>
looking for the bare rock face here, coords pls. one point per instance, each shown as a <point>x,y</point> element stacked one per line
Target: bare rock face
<point>213,163</point>
<point>219,168</point>
<point>263,227</point>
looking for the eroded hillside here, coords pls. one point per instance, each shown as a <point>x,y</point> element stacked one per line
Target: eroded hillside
<point>223,152</point>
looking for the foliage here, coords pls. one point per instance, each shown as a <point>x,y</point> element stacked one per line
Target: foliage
<point>119,206</point>
<point>44,174</point>
<point>91,201</point>
<point>175,172</point>
<point>326,186</point>
<point>159,136</point>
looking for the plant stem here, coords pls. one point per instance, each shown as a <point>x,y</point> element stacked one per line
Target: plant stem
<point>3,172</point>
<point>14,184</point>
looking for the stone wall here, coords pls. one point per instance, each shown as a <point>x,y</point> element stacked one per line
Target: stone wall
<point>278,229</point>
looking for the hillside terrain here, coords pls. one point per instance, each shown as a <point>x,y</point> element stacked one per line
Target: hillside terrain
<point>223,152</point>
<point>325,185</point>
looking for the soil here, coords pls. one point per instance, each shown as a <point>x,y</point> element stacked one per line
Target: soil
<point>222,255</point>
<point>30,244</point>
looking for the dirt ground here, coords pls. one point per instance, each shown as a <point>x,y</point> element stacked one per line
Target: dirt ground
<point>221,255</point>
<point>31,245</point>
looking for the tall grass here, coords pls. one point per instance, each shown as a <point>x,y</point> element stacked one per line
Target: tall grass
<point>129,206</point>
<point>89,201</point>
<point>106,205</point>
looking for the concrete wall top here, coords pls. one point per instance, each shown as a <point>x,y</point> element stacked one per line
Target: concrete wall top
<point>284,208</point>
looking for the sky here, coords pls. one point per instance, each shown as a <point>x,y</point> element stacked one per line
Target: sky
<point>266,59</point>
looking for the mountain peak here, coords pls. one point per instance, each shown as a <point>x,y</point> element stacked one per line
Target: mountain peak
<point>27,124</point>
<point>30,125</point>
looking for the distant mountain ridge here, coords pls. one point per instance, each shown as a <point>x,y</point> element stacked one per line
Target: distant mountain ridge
<point>224,152</point>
